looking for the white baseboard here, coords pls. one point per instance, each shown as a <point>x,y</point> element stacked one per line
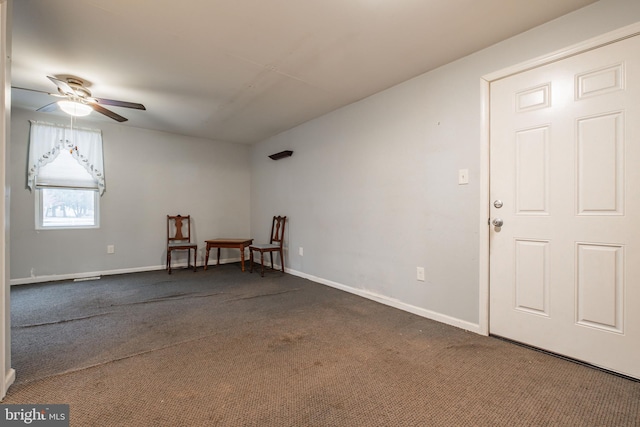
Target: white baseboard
<point>92,274</point>
<point>9,379</point>
<point>383,299</point>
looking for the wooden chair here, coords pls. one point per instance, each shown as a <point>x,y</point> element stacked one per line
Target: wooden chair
<point>275,244</point>
<point>179,240</point>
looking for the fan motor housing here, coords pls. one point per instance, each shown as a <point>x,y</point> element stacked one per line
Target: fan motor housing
<point>78,87</point>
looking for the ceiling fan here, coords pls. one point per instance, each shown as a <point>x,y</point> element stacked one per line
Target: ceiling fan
<point>78,100</point>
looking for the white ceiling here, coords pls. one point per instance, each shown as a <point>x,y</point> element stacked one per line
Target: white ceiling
<point>244,70</point>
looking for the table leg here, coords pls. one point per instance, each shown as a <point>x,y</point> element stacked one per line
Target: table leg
<point>242,256</point>
<point>206,258</point>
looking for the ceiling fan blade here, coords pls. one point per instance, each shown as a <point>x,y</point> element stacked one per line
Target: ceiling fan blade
<point>63,86</point>
<point>108,113</point>
<point>38,91</point>
<point>120,103</point>
<point>48,108</point>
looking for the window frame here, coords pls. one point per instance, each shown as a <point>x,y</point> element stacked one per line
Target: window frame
<point>39,217</point>
<point>65,158</point>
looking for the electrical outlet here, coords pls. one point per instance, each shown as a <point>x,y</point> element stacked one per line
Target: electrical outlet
<point>111,249</point>
<point>420,273</point>
<point>300,251</point>
<point>463,176</point>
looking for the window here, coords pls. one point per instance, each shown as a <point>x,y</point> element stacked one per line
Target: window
<point>66,170</point>
<point>66,208</point>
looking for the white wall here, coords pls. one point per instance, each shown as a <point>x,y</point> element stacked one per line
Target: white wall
<point>371,189</point>
<point>149,174</point>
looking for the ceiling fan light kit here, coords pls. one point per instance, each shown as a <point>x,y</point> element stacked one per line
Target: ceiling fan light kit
<point>75,108</point>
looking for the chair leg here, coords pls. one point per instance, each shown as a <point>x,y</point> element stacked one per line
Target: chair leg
<point>250,261</point>
<point>169,260</point>
<point>281,260</point>
<point>271,256</point>
<point>195,254</point>
<point>262,263</point>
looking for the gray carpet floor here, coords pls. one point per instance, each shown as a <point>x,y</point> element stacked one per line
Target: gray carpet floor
<point>228,348</point>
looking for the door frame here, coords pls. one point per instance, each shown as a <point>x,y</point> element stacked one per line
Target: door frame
<point>485,161</point>
<point>8,374</point>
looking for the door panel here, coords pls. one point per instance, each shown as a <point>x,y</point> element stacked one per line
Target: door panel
<point>565,151</point>
<point>600,165</point>
<point>599,286</point>
<point>532,278</point>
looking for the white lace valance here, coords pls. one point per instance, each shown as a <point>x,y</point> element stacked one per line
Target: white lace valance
<point>85,146</point>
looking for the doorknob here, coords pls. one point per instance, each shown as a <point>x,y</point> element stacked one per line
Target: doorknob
<point>497,222</point>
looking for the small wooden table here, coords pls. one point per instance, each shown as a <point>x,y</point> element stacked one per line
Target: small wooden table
<point>227,243</point>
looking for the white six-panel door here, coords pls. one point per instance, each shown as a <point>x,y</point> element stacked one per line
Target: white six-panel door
<point>565,168</point>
